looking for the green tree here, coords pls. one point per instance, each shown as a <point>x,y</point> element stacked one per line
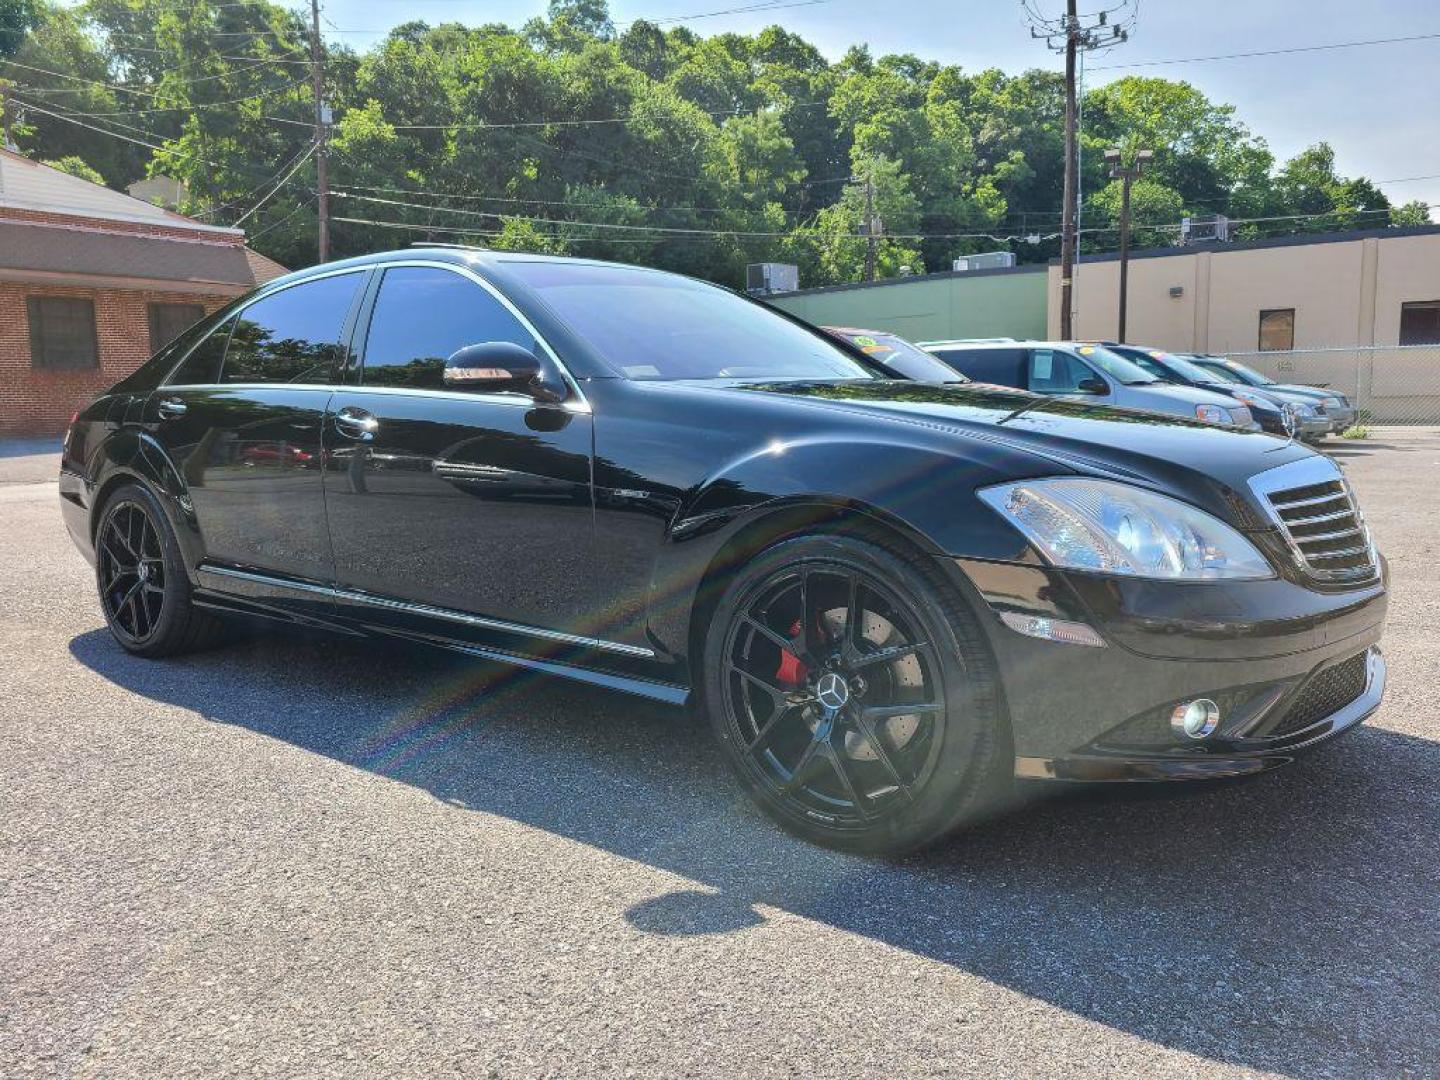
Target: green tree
<point>76,167</point>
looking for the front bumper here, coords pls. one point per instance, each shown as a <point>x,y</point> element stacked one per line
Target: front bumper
<point>1223,759</point>
<point>1088,713</point>
<point>1341,418</point>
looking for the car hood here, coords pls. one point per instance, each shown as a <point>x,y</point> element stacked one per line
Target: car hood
<point>1209,465</point>
<point>1299,393</point>
<point>1168,392</point>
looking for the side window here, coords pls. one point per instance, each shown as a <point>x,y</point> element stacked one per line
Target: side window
<point>422,316</point>
<point>1001,367</point>
<point>1056,372</point>
<point>202,366</point>
<point>294,335</point>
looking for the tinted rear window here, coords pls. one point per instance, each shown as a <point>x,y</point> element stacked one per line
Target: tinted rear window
<point>293,335</point>
<point>1003,367</point>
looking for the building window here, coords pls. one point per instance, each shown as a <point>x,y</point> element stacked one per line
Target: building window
<point>169,321</point>
<point>1420,323</point>
<point>1277,329</point>
<point>62,332</point>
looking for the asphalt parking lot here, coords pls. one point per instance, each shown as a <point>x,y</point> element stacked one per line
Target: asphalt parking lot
<point>302,857</point>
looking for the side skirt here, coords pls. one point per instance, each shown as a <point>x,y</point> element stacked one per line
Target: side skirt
<point>311,606</point>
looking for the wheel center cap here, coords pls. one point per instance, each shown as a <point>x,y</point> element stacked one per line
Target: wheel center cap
<point>831,691</point>
<point>142,571</point>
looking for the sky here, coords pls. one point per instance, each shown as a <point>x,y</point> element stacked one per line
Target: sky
<point>1377,105</point>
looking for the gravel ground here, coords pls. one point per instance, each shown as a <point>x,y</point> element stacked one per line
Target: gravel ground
<point>313,857</point>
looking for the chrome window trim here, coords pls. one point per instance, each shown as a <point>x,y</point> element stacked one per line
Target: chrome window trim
<point>579,404</point>
<point>447,614</point>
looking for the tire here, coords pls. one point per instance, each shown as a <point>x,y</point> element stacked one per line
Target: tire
<point>142,581</point>
<point>852,769</point>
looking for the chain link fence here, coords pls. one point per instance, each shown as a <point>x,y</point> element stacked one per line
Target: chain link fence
<point>1388,384</point>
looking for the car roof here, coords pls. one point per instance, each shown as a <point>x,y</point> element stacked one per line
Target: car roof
<point>458,254</point>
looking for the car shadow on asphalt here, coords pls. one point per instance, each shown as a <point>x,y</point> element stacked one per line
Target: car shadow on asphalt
<point>1286,923</point>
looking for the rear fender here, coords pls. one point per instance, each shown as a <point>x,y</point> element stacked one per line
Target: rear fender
<point>133,455</point>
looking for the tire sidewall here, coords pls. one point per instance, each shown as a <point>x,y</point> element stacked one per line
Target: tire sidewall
<point>966,753</point>
<point>177,582</point>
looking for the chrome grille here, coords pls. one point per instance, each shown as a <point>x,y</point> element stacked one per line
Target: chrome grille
<point>1323,527</point>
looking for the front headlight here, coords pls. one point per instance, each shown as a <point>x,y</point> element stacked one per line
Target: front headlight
<point>1333,403</point>
<point>1214,414</point>
<point>1113,528</point>
<point>1302,409</point>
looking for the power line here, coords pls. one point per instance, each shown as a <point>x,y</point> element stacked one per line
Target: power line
<point>270,194</point>
<point>1268,52</point>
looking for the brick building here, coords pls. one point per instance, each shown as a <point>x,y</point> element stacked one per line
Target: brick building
<point>92,282</point>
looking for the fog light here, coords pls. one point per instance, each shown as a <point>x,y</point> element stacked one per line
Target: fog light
<point>1196,720</point>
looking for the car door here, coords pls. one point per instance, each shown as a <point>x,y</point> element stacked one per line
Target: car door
<point>242,418</point>
<point>1063,374</point>
<point>472,509</point>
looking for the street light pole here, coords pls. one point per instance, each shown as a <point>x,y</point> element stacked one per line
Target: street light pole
<point>1126,177</point>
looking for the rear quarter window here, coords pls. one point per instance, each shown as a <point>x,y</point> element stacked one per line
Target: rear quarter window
<point>1001,367</point>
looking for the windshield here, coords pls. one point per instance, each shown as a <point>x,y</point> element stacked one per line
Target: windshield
<point>899,357</point>
<point>1178,365</point>
<point>1238,372</point>
<point>652,325</point>
<point>1116,366</point>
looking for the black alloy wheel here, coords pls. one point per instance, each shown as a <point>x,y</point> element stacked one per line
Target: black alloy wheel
<point>131,567</point>
<point>849,704</point>
<point>144,591</point>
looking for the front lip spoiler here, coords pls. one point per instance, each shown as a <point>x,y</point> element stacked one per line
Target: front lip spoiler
<point>1242,757</point>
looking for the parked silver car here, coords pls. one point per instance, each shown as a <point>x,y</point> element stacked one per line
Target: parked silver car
<point>1088,373</point>
<point>1335,406</point>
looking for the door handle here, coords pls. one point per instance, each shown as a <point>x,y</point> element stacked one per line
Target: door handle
<point>170,408</point>
<point>356,424</point>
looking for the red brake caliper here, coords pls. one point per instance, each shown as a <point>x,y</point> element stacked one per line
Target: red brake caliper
<point>791,671</point>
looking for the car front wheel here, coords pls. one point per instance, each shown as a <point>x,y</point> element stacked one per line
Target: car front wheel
<point>853,693</point>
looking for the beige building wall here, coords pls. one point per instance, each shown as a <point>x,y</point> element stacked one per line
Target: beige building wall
<point>1209,300</point>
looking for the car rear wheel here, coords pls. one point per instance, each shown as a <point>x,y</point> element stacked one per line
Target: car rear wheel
<point>854,695</point>
<point>144,590</point>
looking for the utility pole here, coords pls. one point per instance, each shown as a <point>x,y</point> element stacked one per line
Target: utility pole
<point>870,238</point>
<point>322,122</point>
<point>1070,36</point>
<point>1114,158</point>
<point>1067,220</point>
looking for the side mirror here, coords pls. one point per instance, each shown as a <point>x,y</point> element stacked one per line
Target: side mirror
<point>501,367</point>
<point>1093,385</point>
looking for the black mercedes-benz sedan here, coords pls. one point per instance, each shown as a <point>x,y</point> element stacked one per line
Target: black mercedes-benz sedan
<point>886,597</point>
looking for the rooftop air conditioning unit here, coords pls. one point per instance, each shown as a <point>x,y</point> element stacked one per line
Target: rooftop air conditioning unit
<point>763,279</point>
<point>1205,229</point>
<point>989,260</point>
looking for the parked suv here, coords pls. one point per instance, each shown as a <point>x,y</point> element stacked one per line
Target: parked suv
<point>1278,412</point>
<point>1334,405</point>
<point>1089,373</point>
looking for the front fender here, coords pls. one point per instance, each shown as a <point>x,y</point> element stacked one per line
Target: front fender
<point>922,493</point>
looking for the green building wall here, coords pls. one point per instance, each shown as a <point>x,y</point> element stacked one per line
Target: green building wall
<point>978,303</point>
